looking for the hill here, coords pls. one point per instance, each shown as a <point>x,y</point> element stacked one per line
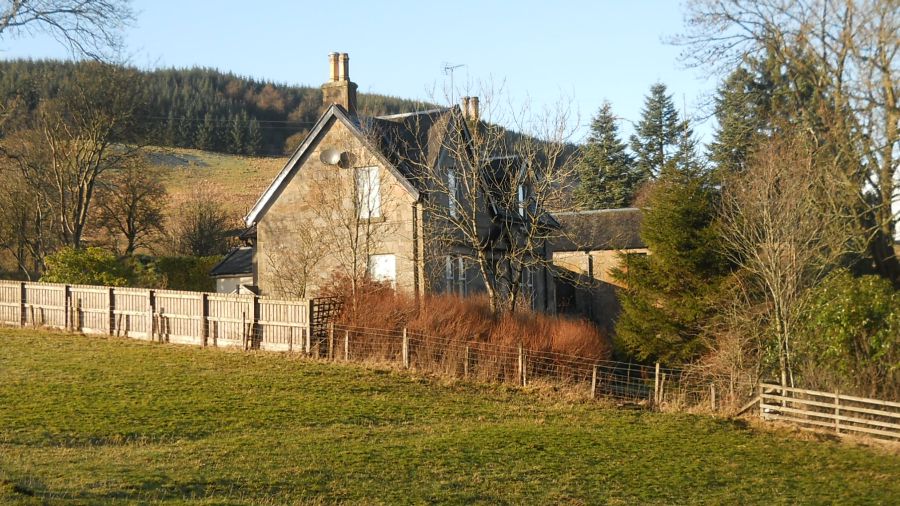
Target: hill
<point>204,108</point>
<point>90,420</point>
<point>237,180</point>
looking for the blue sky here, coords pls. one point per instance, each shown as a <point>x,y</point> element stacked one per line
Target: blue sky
<point>584,52</point>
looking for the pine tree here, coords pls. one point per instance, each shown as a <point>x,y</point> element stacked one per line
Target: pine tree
<point>237,133</point>
<point>740,119</point>
<point>656,134</point>
<point>206,137</point>
<point>254,138</point>
<point>605,169</point>
<point>667,301</point>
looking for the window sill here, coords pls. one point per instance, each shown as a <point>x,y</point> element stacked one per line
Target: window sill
<point>379,219</point>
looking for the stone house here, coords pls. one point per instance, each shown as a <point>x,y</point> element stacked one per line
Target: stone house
<point>355,196</point>
<point>585,256</point>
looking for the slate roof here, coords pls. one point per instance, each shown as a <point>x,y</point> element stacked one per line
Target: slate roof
<point>412,141</point>
<point>603,229</point>
<point>237,262</point>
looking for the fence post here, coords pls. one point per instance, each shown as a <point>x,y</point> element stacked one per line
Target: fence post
<point>837,412</point>
<point>111,324</point>
<point>331,340</point>
<point>405,349</point>
<point>519,365</point>
<point>150,315</point>
<point>307,346</point>
<point>347,345</point>
<point>466,364</point>
<point>244,329</point>
<point>762,411</point>
<point>67,303</point>
<point>594,383</point>
<point>656,385</point>
<point>204,319</point>
<point>23,317</point>
<point>712,396</point>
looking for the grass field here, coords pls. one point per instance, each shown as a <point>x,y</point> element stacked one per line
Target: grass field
<point>240,180</point>
<point>88,420</point>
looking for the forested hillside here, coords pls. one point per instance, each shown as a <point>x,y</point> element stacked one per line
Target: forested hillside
<point>203,108</point>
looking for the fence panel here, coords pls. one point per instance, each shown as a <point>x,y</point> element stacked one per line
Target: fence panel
<point>131,312</point>
<point>179,316</point>
<point>91,309</point>
<point>283,325</point>
<point>45,305</point>
<point>228,319</point>
<point>10,303</point>
<point>811,409</point>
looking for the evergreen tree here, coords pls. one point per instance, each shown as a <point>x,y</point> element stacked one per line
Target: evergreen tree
<point>667,302</point>
<point>206,137</point>
<point>740,116</point>
<point>254,138</point>
<point>605,169</point>
<point>656,134</point>
<point>237,134</point>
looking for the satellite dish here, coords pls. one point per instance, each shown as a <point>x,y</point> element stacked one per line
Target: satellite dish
<point>331,156</point>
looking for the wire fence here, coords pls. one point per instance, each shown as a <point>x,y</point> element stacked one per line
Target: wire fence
<point>652,386</point>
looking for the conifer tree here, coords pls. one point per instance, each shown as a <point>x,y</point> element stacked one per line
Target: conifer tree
<point>667,302</point>
<point>206,137</point>
<point>254,138</point>
<point>740,120</point>
<point>656,134</point>
<point>237,133</point>
<point>605,169</point>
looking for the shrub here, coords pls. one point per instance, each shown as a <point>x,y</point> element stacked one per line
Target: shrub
<point>459,320</point>
<point>850,337</point>
<point>186,272</point>
<point>89,266</point>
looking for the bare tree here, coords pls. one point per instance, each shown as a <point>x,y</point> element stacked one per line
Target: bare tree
<point>89,27</point>
<point>489,203</point>
<point>785,223</point>
<point>73,140</point>
<point>26,229</point>
<point>131,201</point>
<point>848,51</point>
<point>199,224</point>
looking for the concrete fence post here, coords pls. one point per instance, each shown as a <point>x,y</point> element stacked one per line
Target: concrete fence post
<point>712,396</point>
<point>656,385</point>
<point>594,383</point>
<point>347,345</point>
<point>405,349</point>
<point>466,363</point>
<point>331,340</point>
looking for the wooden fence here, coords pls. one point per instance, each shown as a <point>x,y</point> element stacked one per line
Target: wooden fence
<point>833,412</point>
<point>199,318</point>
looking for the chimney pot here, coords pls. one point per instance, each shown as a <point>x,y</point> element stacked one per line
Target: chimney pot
<point>344,74</point>
<point>333,66</point>
<point>474,113</point>
<point>465,107</point>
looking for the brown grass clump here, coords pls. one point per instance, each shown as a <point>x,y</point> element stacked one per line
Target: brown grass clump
<point>451,321</point>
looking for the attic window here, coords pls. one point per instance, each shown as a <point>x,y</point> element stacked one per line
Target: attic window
<point>368,188</point>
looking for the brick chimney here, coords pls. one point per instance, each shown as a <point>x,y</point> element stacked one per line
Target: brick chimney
<point>339,89</point>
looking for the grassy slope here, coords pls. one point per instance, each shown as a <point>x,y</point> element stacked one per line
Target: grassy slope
<point>239,179</point>
<point>105,420</point>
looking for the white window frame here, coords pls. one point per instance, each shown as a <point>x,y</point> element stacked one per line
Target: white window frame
<point>383,259</point>
<point>521,195</point>
<point>452,192</point>
<point>368,192</point>
<point>455,275</point>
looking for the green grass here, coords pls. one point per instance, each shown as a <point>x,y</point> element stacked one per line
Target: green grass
<point>86,420</point>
